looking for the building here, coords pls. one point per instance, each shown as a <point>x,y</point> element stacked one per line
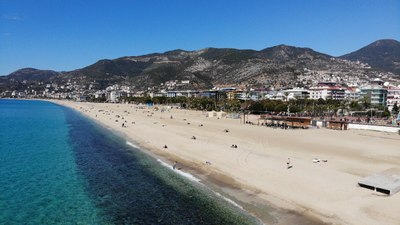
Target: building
<point>94,86</point>
<point>337,124</point>
<point>113,96</point>
<point>374,94</point>
<point>273,95</point>
<point>184,93</point>
<point>327,90</point>
<point>241,95</point>
<point>287,121</point>
<point>296,93</point>
<point>99,94</point>
<point>352,94</point>
<point>393,97</point>
<point>81,98</point>
<point>214,94</point>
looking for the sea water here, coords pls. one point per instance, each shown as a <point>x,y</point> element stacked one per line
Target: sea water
<point>58,167</point>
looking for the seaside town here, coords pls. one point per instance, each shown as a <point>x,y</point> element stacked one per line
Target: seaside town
<point>200,112</point>
<point>376,98</point>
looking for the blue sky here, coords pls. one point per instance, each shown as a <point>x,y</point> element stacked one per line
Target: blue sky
<point>66,35</point>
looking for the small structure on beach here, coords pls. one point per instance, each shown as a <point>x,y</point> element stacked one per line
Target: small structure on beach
<point>303,122</point>
<point>337,124</point>
<point>288,121</point>
<point>211,114</point>
<point>233,115</point>
<point>221,114</point>
<point>387,182</point>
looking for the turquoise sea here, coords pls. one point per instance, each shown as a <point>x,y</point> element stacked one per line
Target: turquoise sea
<point>58,167</point>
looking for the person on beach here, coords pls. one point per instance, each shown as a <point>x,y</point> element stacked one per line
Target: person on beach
<point>288,166</point>
<point>175,164</point>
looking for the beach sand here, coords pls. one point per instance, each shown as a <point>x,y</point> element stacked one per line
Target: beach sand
<point>255,173</point>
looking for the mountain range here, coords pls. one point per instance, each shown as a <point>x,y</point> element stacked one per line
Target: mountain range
<point>382,54</point>
<point>275,67</point>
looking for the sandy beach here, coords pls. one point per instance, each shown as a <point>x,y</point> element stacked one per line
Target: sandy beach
<point>256,171</point>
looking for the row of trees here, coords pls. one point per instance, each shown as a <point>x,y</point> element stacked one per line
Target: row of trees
<point>322,107</point>
<point>300,106</point>
<point>199,103</point>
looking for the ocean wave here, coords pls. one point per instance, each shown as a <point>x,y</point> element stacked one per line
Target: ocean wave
<point>180,172</point>
<point>229,200</point>
<point>132,145</point>
<point>190,177</point>
<point>193,178</point>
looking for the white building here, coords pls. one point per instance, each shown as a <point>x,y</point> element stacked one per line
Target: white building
<point>296,93</point>
<point>327,90</point>
<point>98,94</point>
<point>352,94</point>
<point>393,97</point>
<point>275,96</point>
<point>114,96</point>
<point>184,93</point>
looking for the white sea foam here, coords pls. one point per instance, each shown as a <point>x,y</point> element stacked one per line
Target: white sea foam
<point>229,200</point>
<point>180,172</point>
<point>131,144</point>
<point>189,176</point>
<point>193,178</point>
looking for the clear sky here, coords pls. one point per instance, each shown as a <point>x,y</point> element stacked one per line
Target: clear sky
<point>64,35</point>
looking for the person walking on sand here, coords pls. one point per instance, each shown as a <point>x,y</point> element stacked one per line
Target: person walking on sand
<point>175,164</point>
<point>288,166</point>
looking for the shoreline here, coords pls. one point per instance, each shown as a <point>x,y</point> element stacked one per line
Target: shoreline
<point>223,186</point>
<point>188,171</point>
<point>250,195</point>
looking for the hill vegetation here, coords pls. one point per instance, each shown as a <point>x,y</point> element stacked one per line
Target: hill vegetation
<point>277,67</point>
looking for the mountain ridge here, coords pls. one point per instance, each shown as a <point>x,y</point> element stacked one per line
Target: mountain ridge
<point>275,67</point>
<point>32,74</point>
<point>382,54</point>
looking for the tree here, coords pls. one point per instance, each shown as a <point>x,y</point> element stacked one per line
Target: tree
<point>282,107</point>
<point>295,109</point>
<point>355,106</point>
<point>386,112</point>
<point>321,101</point>
<point>395,109</point>
<point>366,101</point>
<point>269,105</point>
<point>256,106</point>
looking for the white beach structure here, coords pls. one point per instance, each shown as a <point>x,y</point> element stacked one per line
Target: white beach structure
<point>211,114</point>
<point>387,182</point>
<point>221,114</point>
